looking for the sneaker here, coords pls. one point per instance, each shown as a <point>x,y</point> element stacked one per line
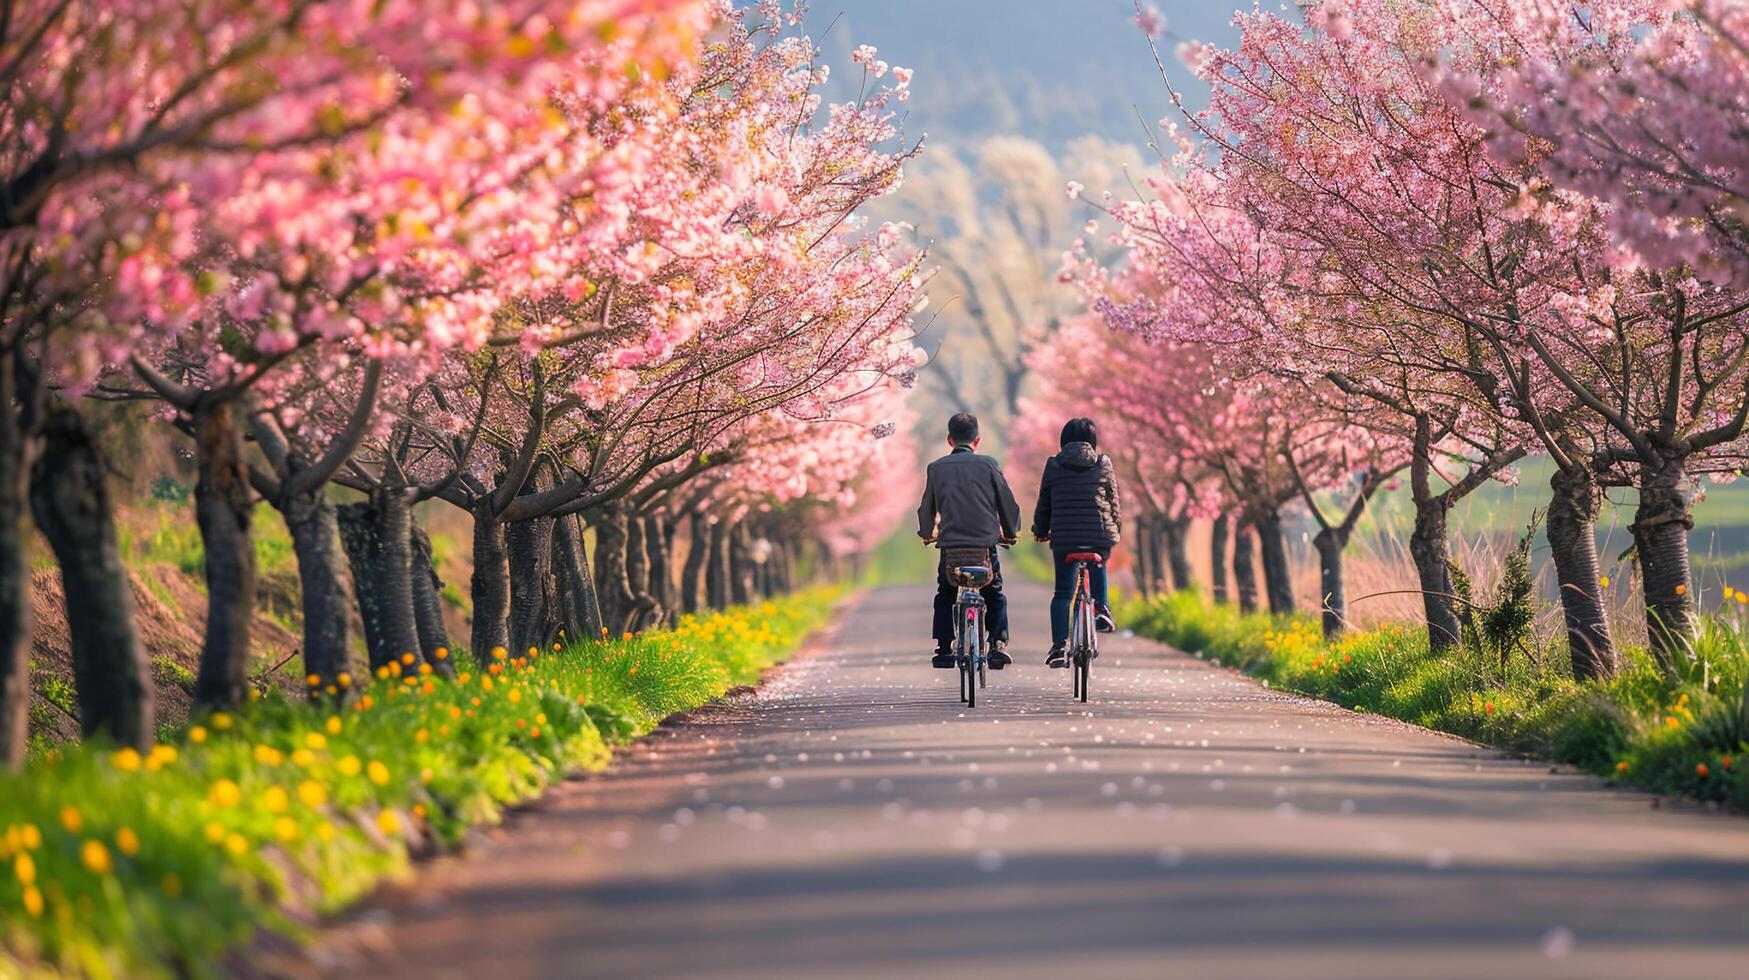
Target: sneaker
<point>999,657</point>
<point>1103,622</point>
<point>1058,657</point>
<point>943,659</point>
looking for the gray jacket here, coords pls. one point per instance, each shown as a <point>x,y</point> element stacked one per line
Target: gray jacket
<point>970,496</point>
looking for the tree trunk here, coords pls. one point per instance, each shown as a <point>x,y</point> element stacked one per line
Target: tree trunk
<point>1571,530</point>
<point>658,543</point>
<point>489,588</point>
<point>15,621</point>
<point>1277,579</point>
<point>222,509</point>
<point>1172,534</point>
<point>71,504</point>
<point>1428,548</point>
<point>637,556</point>
<point>741,565</point>
<point>428,603</point>
<point>717,567</point>
<point>618,603</point>
<point>1144,567</point>
<point>1218,534</point>
<point>1333,598</point>
<point>315,534</point>
<point>529,545</point>
<point>697,550</point>
<point>378,536</point>
<point>1244,572</point>
<point>1660,528</point>
<point>572,560</point>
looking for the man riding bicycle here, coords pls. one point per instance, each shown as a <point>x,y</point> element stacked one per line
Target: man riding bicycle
<point>967,505</point>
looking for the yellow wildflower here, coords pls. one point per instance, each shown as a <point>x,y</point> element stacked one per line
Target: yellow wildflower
<point>224,793</point>
<point>70,819</point>
<point>312,794</point>
<point>334,725</point>
<point>275,799</point>
<point>221,721</point>
<point>214,832</point>
<point>378,773</point>
<point>95,857</point>
<point>388,823</point>
<point>127,842</point>
<point>316,740</point>
<point>349,766</point>
<point>286,829</point>
<point>197,734</point>
<point>24,868</point>
<point>33,902</point>
<point>127,760</point>
<point>236,844</point>
<point>32,838</point>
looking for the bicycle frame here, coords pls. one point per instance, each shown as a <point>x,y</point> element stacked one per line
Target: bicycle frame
<point>970,642</point>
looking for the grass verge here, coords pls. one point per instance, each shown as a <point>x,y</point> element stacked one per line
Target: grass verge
<point>118,863</point>
<point>1683,735</point>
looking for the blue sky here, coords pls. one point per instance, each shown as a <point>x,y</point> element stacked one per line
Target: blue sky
<point>1048,69</point>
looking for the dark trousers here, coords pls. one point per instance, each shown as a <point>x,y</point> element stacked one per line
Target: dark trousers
<point>946,593</point>
<point>1065,591</point>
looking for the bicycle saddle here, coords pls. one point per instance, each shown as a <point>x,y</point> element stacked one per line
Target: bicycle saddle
<point>971,576</point>
<point>1090,557</point>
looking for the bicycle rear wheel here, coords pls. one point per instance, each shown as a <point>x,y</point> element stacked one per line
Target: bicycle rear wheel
<point>968,668</point>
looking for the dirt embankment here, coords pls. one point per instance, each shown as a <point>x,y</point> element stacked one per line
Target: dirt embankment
<point>170,612</point>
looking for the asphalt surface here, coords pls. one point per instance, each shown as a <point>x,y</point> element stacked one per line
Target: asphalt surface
<point>850,818</point>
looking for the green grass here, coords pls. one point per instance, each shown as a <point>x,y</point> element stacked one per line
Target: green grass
<point>175,539</point>
<point>1684,734</point>
<point>123,864</point>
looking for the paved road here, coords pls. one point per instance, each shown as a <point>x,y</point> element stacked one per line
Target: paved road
<point>851,819</point>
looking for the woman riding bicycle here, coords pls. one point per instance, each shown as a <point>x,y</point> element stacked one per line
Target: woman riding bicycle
<point>1077,512</point>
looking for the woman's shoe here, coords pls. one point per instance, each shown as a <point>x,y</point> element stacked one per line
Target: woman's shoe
<point>1103,622</point>
<point>1058,657</point>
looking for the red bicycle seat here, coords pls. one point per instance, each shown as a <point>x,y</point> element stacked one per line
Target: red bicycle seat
<point>1091,557</point>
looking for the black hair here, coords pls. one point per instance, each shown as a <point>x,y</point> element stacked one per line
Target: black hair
<point>1080,430</point>
<point>962,429</point>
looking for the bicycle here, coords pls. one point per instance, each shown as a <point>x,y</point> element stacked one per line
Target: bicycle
<point>971,640</point>
<point>1083,629</point>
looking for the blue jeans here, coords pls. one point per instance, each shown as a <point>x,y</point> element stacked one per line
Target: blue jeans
<point>1066,591</point>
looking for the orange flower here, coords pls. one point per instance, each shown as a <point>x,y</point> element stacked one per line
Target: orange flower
<point>1701,770</point>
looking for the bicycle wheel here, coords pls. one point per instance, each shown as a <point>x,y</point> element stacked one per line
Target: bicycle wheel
<point>1082,662</point>
<point>971,680</point>
<point>983,650</point>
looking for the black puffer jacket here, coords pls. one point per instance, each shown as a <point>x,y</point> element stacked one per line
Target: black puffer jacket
<point>1077,501</point>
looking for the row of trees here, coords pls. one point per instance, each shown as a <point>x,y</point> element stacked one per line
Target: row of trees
<point>553,263</point>
<point>1435,240</point>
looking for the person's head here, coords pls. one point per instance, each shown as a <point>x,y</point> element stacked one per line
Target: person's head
<point>1080,430</point>
<point>962,430</point>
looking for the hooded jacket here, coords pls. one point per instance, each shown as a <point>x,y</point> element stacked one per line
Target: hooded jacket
<point>1077,501</point>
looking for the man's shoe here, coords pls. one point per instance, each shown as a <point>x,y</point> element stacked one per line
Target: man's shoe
<point>1103,622</point>
<point>1058,657</point>
<point>943,659</point>
<point>999,657</point>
